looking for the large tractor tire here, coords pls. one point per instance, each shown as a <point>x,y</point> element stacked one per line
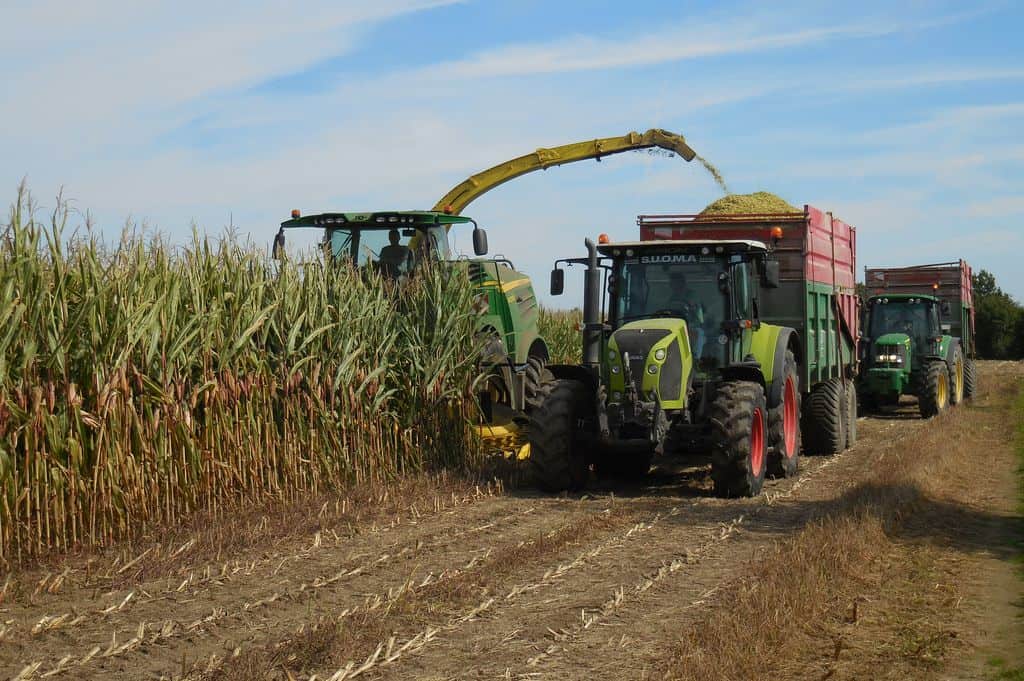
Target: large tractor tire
<point>624,460</point>
<point>536,378</point>
<point>955,363</point>
<point>557,437</point>
<point>784,424</point>
<point>933,389</point>
<point>970,377</point>
<point>740,456</point>
<point>851,413</point>
<point>825,417</point>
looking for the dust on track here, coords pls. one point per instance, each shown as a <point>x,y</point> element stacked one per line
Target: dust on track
<point>596,608</point>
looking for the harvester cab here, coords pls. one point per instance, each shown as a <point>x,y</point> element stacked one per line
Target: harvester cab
<point>675,355</point>
<point>919,336</point>
<point>395,243</point>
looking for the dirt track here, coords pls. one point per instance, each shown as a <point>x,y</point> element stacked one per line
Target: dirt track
<point>511,586</point>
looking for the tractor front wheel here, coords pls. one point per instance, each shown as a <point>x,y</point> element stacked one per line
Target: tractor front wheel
<point>784,424</point>
<point>558,429</point>
<point>740,456</point>
<point>933,393</point>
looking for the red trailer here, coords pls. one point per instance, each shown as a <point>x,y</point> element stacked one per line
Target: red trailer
<point>817,255</point>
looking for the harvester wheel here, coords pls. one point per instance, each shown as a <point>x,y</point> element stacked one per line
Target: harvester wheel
<point>740,456</point>
<point>557,429</point>
<point>970,377</point>
<point>537,375</point>
<point>784,424</point>
<point>933,393</point>
<point>956,375</point>
<point>825,418</point>
<point>851,413</point>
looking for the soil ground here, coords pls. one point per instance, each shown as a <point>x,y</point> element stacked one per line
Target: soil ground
<point>625,581</point>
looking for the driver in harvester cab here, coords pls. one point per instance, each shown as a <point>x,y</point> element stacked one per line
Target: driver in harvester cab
<point>395,258</point>
<point>680,298</point>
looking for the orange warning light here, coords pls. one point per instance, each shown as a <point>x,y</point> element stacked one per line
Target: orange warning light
<point>603,239</point>
<point>449,209</point>
<point>296,213</point>
<point>777,232</point>
<point>935,287</point>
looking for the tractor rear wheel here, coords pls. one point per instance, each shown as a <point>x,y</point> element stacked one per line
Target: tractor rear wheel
<point>537,375</point>
<point>956,375</point>
<point>825,418</point>
<point>970,377</point>
<point>851,413</point>
<point>784,424</point>
<point>933,391</point>
<point>740,456</point>
<point>557,437</point>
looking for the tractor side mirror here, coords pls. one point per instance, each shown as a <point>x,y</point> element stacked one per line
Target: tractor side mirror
<point>479,241</point>
<point>278,250</point>
<point>771,273</point>
<point>557,281</point>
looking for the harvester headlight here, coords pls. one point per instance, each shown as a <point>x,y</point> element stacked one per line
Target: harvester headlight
<point>652,368</point>
<point>615,368</point>
<point>659,354</point>
<point>616,396</point>
<point>612,355</point>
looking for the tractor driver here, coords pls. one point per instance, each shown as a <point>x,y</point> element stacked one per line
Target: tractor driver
<point>395,257</point>
<point>679,297</point>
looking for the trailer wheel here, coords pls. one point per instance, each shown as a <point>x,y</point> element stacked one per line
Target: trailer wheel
<point>557,430</point>
<point>970,378</point>
<point>825,418</point>
<point>956,375</point>
<point>740,456</point>
<point>933,393</point>
<point>851,413</point>
<point>784,424</point>
<point>537,375</point>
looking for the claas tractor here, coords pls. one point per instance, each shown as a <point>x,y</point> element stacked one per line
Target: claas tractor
<point>734,336</point>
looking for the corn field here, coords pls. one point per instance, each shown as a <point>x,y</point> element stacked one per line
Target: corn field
<point>561,330</point>
<point>140,382</point>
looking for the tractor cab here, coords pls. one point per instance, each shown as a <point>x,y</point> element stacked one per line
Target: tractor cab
<point>392,243</point>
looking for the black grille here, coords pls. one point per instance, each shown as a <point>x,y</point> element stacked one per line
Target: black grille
<point>637,343</point>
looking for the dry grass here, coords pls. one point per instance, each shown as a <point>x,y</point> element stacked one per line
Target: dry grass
<point>802,595</point>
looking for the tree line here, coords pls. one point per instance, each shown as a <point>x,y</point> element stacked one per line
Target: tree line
<point>998,320</point>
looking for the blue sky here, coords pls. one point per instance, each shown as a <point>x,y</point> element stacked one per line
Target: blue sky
<point>903,118</point>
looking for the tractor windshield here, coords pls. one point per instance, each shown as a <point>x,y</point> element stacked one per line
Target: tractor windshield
<point>394,251</point>
<point>916,317</point>
<point>681,286</point>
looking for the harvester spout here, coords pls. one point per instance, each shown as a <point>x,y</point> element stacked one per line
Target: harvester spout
<point>455,201</point>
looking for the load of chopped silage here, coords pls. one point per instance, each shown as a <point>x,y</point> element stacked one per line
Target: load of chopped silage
<point>758,202</point>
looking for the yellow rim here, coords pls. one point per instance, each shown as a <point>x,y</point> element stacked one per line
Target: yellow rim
<point>942,391</point>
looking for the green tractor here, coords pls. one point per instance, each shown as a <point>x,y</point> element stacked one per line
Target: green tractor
<point>395,243</point>
<point>919,337</point>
